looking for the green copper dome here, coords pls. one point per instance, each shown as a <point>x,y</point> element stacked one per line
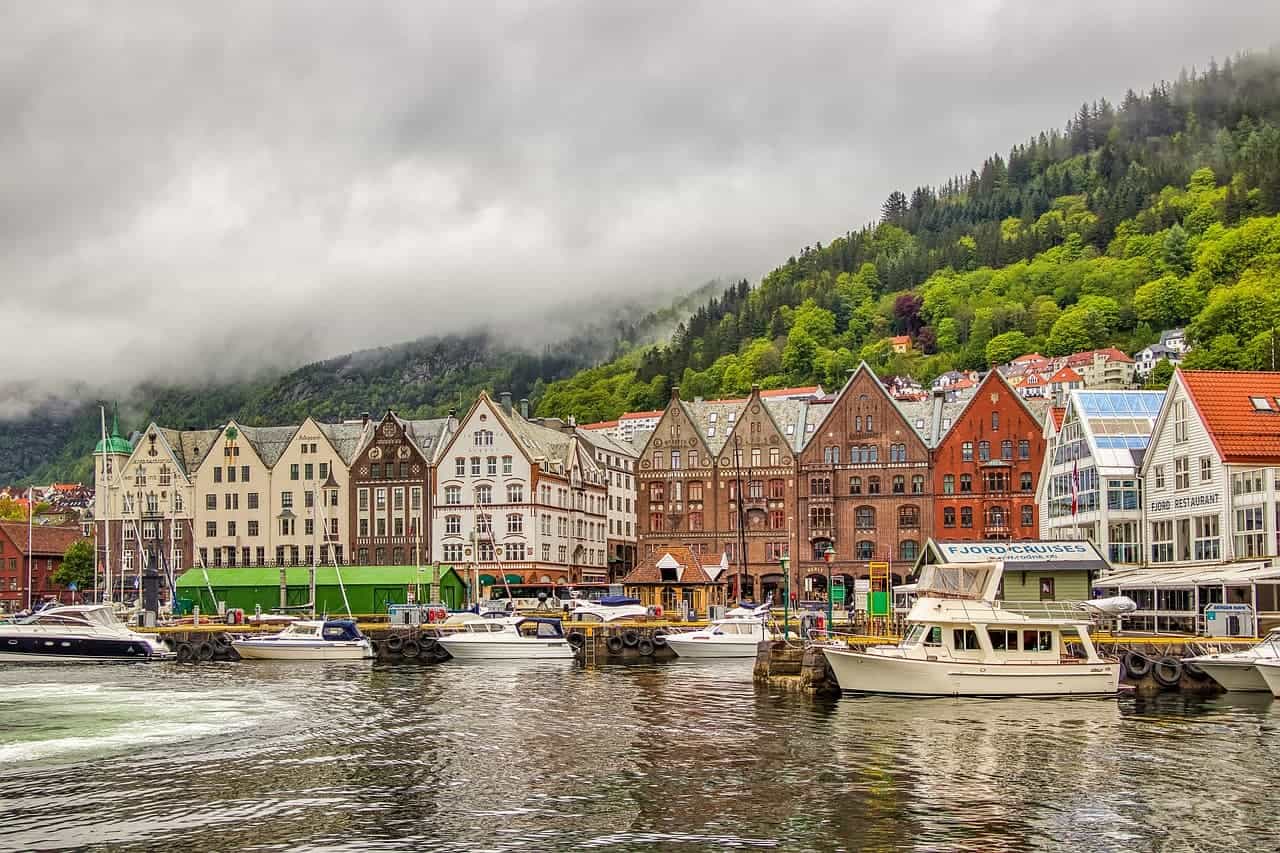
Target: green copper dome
<point>115,444</point>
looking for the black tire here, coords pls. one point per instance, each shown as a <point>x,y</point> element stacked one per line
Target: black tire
<point>395,643</point>
<point>233,655</point>
<point>645,647</point>
<point>441,654</point>
<point>428,644</point>
<point>375,646</point>
<point>411,649</point>
<point>577,639</point>
<point>185,653</point>
<point>630,637</point>
<point>221,641</point>
<point>660,638</point>
<point>1167,671</point>
<point>1195,671</point>
<point>614,644</point>
<point>205,651</point>
<point>1136,665</point>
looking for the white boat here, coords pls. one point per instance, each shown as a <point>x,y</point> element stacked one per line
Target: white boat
<point>737,636</point>
<point>1239,671</point>
<point>607,609</point>
<point>1269,670</point>
<point>332,639</point>
<point>507,638</point>
<point>963,642</point>
<point>83,632</point>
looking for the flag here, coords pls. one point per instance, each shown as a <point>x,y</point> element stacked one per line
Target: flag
<point>1075,487</point>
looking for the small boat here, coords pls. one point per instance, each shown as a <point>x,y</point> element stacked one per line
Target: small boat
<point>507,638</point>
<point>330,639</point>
<point>81,632</point>
<point>1241,671</point>
<point>736,637</point>
<point>1269,670</point>
<point>962,641</point>
<point>610,608</point>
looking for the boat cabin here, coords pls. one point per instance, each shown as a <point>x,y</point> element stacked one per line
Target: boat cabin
<point>333,630</point>
<point>1010,644</point>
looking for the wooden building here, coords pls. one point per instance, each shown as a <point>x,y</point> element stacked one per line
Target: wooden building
<point>676,580</point>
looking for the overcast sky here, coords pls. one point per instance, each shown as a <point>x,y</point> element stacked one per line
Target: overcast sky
<point>188,189</point>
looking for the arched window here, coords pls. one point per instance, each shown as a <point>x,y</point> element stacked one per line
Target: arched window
<point>899,484</point>
<point>873,485</point>
<point>453,495</point>
<point>515,523</point>
<point>917,484</point>
<point>897,453</point>
<point>484,494</point>
<point>820,547</point>
<point>984,451</point>
<point>949,517</point>
<point>966,516</point>
<point>949,484</point>
<point>1006,450</point>
<point>909,517</point>
<point>873,453</point>
<point>909,549</point>
<point>820,516</point>
<point>855,485</point>
<point>515,493</point>
<point>865,517</point>
<point>819,486</point>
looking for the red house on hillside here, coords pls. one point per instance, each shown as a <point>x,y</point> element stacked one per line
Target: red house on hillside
<point>986,467</point>
<point>49,543</point>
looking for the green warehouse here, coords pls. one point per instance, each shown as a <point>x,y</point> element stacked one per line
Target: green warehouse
<point>369,588</point>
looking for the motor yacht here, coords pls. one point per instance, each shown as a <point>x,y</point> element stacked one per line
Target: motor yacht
<point>962,641</point>
<point>611,608</point>
<point>304,640</point>
<point>1269,670</point>
<point>80,632</point>
<point>1240,671</point>
<point>736,636</point>
<point>506,638</point>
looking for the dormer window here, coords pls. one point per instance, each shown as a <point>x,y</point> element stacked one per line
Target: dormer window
<point>1261,404</point>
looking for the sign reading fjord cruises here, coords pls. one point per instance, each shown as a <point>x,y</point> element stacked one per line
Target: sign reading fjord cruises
<point>1014,552</point>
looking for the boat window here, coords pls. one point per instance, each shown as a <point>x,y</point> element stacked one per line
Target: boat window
<point>964,639</point>
<point>913,635</point>
<point>546,629</point>
<point>1037,641</point>
<point>935,636</point>
<point>1003,641</point>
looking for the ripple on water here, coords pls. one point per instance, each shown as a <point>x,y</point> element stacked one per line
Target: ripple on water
<point>679,757</point>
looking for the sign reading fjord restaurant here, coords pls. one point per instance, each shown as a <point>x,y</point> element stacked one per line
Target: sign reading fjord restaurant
<point>1015,552</point>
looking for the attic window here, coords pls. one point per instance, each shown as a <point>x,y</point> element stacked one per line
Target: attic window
<point>946,423</point>
<point>711,432</point>
<point>668,575</point>
<point>732,415</point>
<point>791,429</point>
<point>1261,404</point>
<point>712,416</point>
<point>919,423</point>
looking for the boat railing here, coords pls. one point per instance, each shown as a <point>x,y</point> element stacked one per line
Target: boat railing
<point>1045,609</point>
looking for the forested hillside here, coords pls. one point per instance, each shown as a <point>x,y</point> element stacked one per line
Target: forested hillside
<point>1152,213</point>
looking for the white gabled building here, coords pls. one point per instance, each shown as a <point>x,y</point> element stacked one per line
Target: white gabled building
<point>618,459</point>
<point>516,498</point>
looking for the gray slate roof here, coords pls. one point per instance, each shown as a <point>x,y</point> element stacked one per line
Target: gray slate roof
<point>713,432</point>
<point>190,446</point>
<point>269,442</point>
<point>932,418</point>
<point>430,435</point>
<point>347,439</point>
<point>598,438</point>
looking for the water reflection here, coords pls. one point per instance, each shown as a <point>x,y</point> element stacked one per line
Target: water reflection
<point>689,756</point>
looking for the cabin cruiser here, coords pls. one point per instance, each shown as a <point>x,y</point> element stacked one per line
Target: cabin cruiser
<point>81,632</point>
<point>1269,670</point>
<point>961,641</point>
<point>330,639</point>
<point>736,636</point>
<point>506,638</point>
<point>1243,670</point>
<point>611,608</point>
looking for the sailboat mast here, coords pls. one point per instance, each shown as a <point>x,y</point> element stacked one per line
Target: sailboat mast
<point>106,505</point>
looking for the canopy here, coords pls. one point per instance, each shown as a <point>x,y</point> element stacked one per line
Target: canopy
<point>617,600</point>
<point>515,578</point>
<point>976,580</point>
<point>488,580</point>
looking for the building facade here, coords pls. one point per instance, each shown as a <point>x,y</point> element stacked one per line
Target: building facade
<point>618,460</point>
<point>48,545</point>
<point>390,491</point>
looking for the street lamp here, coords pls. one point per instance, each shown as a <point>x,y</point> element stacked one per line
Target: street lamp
<point>785,562</point>
<point>829,555</point>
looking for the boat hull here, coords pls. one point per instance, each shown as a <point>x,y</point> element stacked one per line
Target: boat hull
<point>1269,672</point>
<point>1240,676</point>
<point>333,650</point>
<point>859,672</point>
<point>68,649</point>
<point>462,647</point>
<point>688,647</point>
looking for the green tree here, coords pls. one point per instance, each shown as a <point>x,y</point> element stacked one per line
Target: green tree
<point>1160,375</point>
<point>1070,334</point>
<point>1006,347</point>
<point>799,354</point>
<point>11,510</point>
<point>1177,254</point>
<point>77,565</point>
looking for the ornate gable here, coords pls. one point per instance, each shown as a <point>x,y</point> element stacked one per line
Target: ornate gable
<point>677,431</point>
<point>863,413</point>
<point>757,437</point>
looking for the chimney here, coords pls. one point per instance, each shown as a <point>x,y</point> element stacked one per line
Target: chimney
<point>573,421</point>
<point>505,398</point>
<point>675,392</point>
<point>524,407</point>
<point>364,419</point>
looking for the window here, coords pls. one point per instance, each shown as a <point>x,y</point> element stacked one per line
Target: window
<point>453,524</point>
<point>1181,474</point>
<point>177,501</point>
<point>1162,542</point>
<point>966,516</point>
<point>656,521</point>
<point>855,485</point>
<point>777,490</point>
<point>1206,469</point>
<point>1122,494</point>
<point>984,451</point>
<point>380,500</point>
<point>244,473</point>
<point>865,549</point>
<point>966,483</point>
<point>324,470</point>
<point>475,466</point>
<point>917,484</point>
<point>375,470</point>
<point>364,527</point>
<point>460,466</point>
<point>1159,476</point>
<point>819,485</point>
<point>253,528</point>
<point>865,517</point>
<point>675,459</point>
<point>1122,542</point>
<point>899,484</point>
<point>1028,515</point>
<point>873,485</point>
<point>515,493</point>
<point>909,516</point>
<point>1180,421</point>
<point>831,455</point>
<point>453,495</point>
<point>286,500</point>
<point>515,523</point>
<point>484,494</point>
<point>897,453</point>
<point>1006,450</point>
<point>307,471</point>
<point>506,465</point>
<point>1003,641</point>
<point>657,459</point>
<point>820,516</point>
<point>1250,533</point>
<point>1024,449</point>
<point>949,516</point>
<point>483,438</point>
<point>211,529</point>
<point>949,484</point>
<point>1249,482</point>
<point>293,472</point>
<point>1024,481</point>
<point>210,503</point>
<point>308,499</point>
<point>966,451</point>
<point>217,476</point>
<point>252,500</point>
<point>755,489</point>
<point>1208,544</point>
<point>484,523</point>
<point>1046,592</point>
<point>1039,641</point>
<point>453,553</point>
<point>964,639</point>
<point>777,519</point>
<point>491,466</point>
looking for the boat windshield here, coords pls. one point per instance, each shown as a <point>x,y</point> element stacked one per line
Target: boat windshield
<point>299,630</point>
<point>914,636</point>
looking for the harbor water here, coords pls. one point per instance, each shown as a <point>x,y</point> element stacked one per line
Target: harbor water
<point>266,757</point>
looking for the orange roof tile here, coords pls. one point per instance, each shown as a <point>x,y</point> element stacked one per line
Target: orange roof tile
<point>791,392</point>
<point>900,339</point>
<point>1066,374</point>
<point>1057,413</point>
<point>690,568</point>
<point>631,416</point>
<point>1241,433</point>
<point>46,539</point>
<point>600,425</point>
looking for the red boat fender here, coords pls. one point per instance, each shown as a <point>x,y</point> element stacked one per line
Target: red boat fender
<point>657,611</point>
<point>821,623</point>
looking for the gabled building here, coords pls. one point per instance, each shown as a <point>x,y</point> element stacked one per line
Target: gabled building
<point>1172,347</point>
<point>390,490</point>
<point>985,467</point>
<point>48,545</point>
<point>1089,488</point>
<point>240,517</point>
<point>513,497</point>
<point>618,460</point>
<point>679,581</point>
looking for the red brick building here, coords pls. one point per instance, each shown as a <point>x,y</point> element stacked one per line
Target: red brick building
<point>986,468</point>
<point>48,544</point>
<point>390,483</point>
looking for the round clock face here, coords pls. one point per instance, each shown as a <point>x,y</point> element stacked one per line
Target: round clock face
<point>375,453</point>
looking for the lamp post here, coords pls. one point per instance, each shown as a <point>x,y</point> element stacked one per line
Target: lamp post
<point>829,555</point>
<point>785,562</point>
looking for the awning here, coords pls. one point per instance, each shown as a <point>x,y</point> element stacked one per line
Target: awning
<point>1031,556</point>
<point>1185,577</point>
<point>515,578</point>
<point>488,580</point>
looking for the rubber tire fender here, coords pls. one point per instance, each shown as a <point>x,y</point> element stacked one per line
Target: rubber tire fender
<point>1137,665</point>
<point>441,654</point>
<point>185,652</point>
<point>429,644</point>
<point>1195,671</point>
<point>394,643</point>
<point>1167,671</point>
<point>645,647</point>
<point>660,638</point>
<point>232,654</point>
<point>630,637</point>
<point>614,644</point>
<point>411,649</point>
<point>205,651</point>
<point>576,639</point>
<point>221,641</point>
